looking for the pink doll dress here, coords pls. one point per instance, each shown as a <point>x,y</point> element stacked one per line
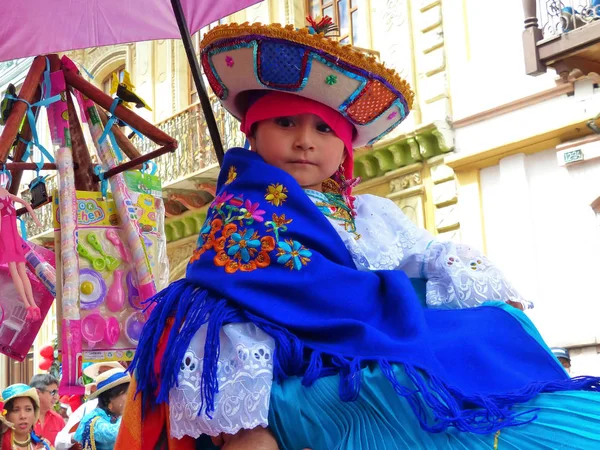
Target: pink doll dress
<point>10,241</point>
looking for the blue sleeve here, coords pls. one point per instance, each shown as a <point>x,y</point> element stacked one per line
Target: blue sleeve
<point>106,432</point>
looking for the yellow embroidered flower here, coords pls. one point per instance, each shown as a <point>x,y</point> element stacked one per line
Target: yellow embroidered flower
<point>231,175</point>
<point>276,194</point>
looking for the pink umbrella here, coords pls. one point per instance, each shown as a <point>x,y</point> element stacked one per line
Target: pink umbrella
<point>36,27</point>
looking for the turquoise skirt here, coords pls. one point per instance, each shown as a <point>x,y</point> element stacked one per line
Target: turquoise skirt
<point>380,419</point>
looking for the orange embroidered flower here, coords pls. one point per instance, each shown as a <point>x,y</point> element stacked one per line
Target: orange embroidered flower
<point>248,267</point>
<point>221,259</point>
<point>216,225</point>
<point>276,194</point>
<point>231,175</point>
<point>232,266</point>
<point>281,220</point>
<point>219,244</point>
<point>267,243</point>
<point>210,241</point>
<point>197,254</point>
<point>229,229</point>
<point>263,260</point>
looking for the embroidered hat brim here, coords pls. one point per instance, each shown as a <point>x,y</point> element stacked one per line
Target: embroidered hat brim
<point>238,59</point>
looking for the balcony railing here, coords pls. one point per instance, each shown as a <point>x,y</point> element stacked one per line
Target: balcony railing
<point>564,35</point>
<point>44,213</point>
<point>558,17</point>
<point>195,151</point>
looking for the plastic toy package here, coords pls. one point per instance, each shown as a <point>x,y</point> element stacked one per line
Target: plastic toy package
<point>110,309</point>
<point>17,334</point>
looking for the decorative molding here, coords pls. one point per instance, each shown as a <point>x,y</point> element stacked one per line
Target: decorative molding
<point>420,145</point>
<point>101,57</point>
<point>185,225</point>
<point>407,181</point>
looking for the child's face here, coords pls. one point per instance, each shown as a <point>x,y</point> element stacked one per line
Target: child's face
<point>303,145</point>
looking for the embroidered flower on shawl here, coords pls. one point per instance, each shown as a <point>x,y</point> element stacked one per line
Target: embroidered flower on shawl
<point>276,194</point>
<point>293,254</point>
<point>281,221</point>
<point>231,175</point>
<point>221,199</point>
<point>250,212</point>
<point>243,245</point>
<point>244,249</point>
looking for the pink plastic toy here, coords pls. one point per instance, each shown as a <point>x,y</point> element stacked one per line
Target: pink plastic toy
<point>11,250</point>
<point>113,237</point>
<point>115,298</point>
<point>93,329</point>
<point>112,331</point>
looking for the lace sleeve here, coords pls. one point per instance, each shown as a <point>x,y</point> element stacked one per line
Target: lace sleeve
<point>245,376</point>
<point>459,276</point>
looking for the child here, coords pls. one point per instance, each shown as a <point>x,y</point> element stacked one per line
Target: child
<point>99,428</point>
<point>297,312</point>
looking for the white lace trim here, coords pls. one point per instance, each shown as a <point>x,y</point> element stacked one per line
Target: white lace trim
<point>245,374</point>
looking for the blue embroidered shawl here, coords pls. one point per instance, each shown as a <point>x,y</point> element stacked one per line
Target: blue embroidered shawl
<point>267,255</point>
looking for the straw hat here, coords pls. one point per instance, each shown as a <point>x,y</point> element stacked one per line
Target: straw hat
<point>92,370</point>
<point>109,380</point>
<point>21,390</point>
<point>3,420</point>
<point>241,58</point>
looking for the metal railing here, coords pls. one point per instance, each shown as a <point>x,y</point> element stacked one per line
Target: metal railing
<point>44,213</point>
<point>558,17</point>
<point>195,150</point>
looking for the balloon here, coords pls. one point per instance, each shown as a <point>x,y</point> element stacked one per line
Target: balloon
<point>47,352</point>
<point>45,364</point>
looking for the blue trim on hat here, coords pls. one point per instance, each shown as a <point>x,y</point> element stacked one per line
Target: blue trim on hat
<point>15,390</point>
<point>112,379</point>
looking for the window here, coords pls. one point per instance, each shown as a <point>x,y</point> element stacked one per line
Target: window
<point>344,13</point>
<point>106,83</point>
<point>20,372</point>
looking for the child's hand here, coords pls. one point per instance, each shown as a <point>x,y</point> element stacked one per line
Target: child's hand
<point>516,305</point>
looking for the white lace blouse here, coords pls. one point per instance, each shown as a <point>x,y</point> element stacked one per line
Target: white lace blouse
<point>457,276</point>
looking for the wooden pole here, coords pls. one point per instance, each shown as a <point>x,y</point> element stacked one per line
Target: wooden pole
<point>138,161</point>
<point>123,113</point>
<point>17,174</point>
<point>124,144</point>
<point>20,166</point>
<point>85,180</point>
<point>28,90</point>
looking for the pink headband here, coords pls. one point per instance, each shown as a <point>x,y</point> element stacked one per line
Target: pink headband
<point>280,104</point>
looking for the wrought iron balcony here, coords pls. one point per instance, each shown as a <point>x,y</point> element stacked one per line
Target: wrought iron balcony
<point>195,153</point>
<point>44,214</point>
<point>564,35</point>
